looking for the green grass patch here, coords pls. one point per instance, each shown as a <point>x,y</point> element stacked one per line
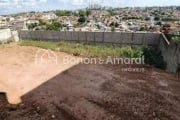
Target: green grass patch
<point>87,50</point>
<point>6,42</point>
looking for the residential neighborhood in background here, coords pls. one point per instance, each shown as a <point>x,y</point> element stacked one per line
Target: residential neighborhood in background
<point>98,19</point>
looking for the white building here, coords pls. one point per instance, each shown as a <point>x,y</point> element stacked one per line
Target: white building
<point>5,34</point>
<point>32,22</point>
<point>70,27</point>
<point>3,21</point>
<point>50,16</point>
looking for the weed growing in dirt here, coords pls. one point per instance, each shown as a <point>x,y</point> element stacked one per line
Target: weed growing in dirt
<point>87,50</point>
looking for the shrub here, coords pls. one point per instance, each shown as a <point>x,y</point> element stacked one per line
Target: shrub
<point>153,57</point>
<point>54,26</point>
<point>82,19</point>
<point>178,68</point>
<point>157,18</point>
<point>176,38</point>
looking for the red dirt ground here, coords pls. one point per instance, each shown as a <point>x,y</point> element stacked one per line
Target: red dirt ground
<point>99,92</point>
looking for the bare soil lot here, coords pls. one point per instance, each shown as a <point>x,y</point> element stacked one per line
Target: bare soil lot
<point>83,92</point>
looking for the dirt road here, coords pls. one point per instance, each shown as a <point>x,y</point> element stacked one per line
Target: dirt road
<point>94,92</point>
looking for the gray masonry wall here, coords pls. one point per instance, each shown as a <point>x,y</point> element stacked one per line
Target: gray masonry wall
<point>94,37</point>
<point>171,54</point>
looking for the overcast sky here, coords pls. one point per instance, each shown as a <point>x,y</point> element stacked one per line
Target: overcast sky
<point>14,6</point>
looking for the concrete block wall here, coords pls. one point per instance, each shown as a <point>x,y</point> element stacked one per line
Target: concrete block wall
<point>151,39</point>
<point>171,54</point>
<point>90,37</point>
<point>75,36</point>
<point>139,38</point>
<point>127,38</point>
<point>81,36</point>
<point>99,37</point>
<point>94,37</point>
<point>112,37</point>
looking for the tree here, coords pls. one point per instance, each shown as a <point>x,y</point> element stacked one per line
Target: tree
<point>63,13</point>
<point>142,29</point>
<point>88,12</point>
<point>54,26</point>
<point>41,23</point>
<point>111,12</point>
<point>82,19</point>
<point>147,18</point>
<point>170,19</point>
<point>113,29</point>
<point>32,26</point>
<point>116,25</point>
<point>166,28</point>
<point>156,18</point>
<point>82,13</point>
<point>112,24</point>
<point>159,23</point>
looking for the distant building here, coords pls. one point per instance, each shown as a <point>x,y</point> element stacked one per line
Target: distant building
<point>17,25</point>
<point>3,21</point>
<point>70,27</point>
<point>50,16</point>
<point>32,21</point>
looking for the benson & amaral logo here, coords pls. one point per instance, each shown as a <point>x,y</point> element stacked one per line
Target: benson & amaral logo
<point>43,56</point>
